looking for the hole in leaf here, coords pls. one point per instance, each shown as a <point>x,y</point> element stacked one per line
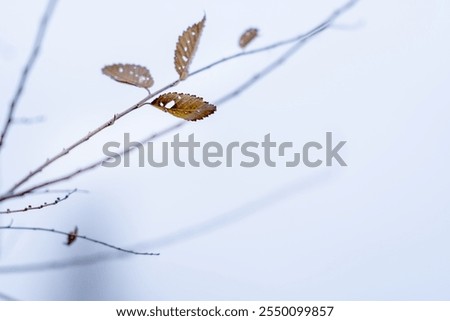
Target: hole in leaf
<point>170,104</point>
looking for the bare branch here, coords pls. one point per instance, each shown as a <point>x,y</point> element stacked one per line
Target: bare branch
<point>41,206</point>
<point>227,218</point>
<point>267,70</point>
<point>48,230</point>
<point>29,65</point>
<point>299,39</point>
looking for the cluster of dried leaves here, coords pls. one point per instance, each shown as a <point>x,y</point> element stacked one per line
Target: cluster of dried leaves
<point>185,106</point>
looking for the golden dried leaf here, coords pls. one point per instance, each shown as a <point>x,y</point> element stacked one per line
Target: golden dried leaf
<point>186,47</point>
<point>188,107</point>
<point>248,37</point>
<point>72,236</point>
<point>130,74</point>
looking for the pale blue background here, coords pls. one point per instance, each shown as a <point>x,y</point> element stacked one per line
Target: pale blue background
<point>378,229</point>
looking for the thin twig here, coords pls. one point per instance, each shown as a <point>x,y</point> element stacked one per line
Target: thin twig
<point>59,191</point>
<point>41,206</point>
<point>48,230</point>
<point>88,167</point>
<point>28,67</point>
<point>90,134</point>
<point>110,122</point>
<point>268,69</point>
<point>229,217</point>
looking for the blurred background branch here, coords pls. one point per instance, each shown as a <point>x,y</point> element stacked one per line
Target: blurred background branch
<point>42,29</point>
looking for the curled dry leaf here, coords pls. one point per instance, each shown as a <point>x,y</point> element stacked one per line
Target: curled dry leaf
<point>72,236</point>
<point>188,107</point>
<point>186,47</point>
<point>248,37</point>
<point>130,74</point>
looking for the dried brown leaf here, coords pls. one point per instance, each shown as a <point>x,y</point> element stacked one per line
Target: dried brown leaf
<point>72,236</point>
<point>186,47</point>
<point>188,107</point>
<point>130,74</point>
<point>248,37</point>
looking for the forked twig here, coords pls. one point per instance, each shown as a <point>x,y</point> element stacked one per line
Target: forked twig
<point>91,166</point>
<point>111,121</point>
<point>298,42</point>
<point>85,138</point>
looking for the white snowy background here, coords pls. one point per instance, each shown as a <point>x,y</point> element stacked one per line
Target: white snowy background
<point>377,229</point>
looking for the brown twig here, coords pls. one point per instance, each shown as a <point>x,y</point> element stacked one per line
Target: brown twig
<point>86,238</point>
<point>41,206</point>
<point>88,167</point>
<point>28,66</point>
<point>85,138</point>
<point>298,39</point>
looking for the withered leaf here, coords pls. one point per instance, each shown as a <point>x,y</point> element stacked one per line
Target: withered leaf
<point>130,74</point>
<point>186,47</point>
<point>188,107</point>
<point>72,236</point>
<point>248,37</point>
